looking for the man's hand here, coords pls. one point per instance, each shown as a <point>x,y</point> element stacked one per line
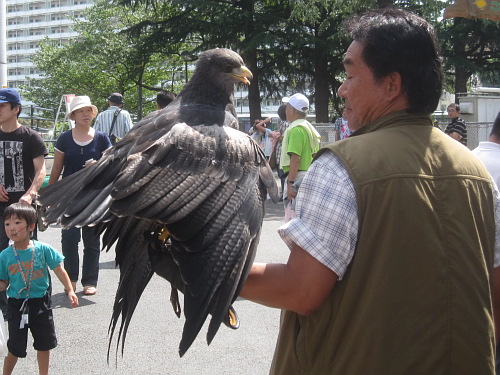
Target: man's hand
<point>27,198</point>
<point>4,196</point>
<point>291,193</point>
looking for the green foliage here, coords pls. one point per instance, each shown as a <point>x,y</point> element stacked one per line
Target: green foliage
<point>102,60</point>
<point>133,47</point>
<point>470,47</point>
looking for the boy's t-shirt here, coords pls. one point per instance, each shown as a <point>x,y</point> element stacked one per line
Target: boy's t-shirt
<point>45,256</point>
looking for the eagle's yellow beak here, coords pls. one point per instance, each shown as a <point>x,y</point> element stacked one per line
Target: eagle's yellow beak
<point>242,74</point>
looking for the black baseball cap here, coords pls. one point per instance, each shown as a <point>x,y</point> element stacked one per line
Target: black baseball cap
<point>116,97</point>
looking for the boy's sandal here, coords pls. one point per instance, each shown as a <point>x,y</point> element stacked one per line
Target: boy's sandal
<point>89,290</point>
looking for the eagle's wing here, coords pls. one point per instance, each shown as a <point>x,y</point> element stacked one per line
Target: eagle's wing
<point>207,184</point>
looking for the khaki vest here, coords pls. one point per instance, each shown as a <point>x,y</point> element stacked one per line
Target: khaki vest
<point>416,298</point>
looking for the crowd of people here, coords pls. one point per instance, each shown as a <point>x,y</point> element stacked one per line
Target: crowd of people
<point>394,245</point>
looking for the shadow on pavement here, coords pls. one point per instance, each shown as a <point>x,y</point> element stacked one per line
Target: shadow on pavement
<point>60,300</point>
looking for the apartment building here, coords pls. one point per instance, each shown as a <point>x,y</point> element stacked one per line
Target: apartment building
<point>31,21</point>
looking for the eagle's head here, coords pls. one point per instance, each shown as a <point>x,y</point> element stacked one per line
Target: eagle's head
<point>217,70</point>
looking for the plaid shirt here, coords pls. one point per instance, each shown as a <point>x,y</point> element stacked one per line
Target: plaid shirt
<point>327,221</point>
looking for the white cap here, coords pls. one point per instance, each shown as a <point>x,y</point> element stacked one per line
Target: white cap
<point>298,101</point>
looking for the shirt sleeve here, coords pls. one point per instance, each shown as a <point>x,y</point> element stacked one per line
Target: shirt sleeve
<point>37,146</point>
<point>61,143</point>
<point>295,141</point>
<point>128,121</point>
<point>4,273</point>
<point>104,141</point>
<point>326,225</point>
<point>52,257</point>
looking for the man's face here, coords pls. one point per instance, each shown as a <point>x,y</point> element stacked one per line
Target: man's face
<point>7,113</point>
<point>452,112</point>
<point>363,95</point>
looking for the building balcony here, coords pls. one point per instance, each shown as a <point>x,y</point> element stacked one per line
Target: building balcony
<point>47,10</point>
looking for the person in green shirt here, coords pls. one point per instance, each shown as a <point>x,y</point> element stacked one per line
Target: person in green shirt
<point>300,143</point>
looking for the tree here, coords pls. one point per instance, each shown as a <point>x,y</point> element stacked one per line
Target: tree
<point>249,27</point>
<point>470,47</point>
<point>102,60</point>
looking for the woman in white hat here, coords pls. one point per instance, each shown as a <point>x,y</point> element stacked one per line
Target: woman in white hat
<point>76,149</point>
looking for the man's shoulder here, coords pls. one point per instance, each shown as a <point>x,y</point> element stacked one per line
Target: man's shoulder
<point>298,130</point>
<point>22,132</point>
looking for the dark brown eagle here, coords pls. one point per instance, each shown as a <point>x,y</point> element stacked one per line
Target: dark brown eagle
<point>182,195</point>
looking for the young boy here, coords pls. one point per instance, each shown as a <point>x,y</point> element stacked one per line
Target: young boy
<point>24,270</point>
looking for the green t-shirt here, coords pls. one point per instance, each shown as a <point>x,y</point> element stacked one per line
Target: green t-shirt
<point>299,143</point>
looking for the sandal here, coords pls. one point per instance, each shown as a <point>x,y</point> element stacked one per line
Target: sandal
<point>73,285</point>
<point>89,290</point>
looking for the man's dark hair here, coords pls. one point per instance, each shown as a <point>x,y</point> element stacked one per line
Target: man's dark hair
<point>22,211</point>
<point>495,130</point>
<point>282,112</point>
<point>14,105</point>
<point>395,40</point>
<point>454,105</point>
<point>164,98</point>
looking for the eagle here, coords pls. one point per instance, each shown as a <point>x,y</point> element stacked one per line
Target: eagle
<point>182,195</point>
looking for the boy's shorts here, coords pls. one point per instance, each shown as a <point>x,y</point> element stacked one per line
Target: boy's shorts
<point>40,323</point>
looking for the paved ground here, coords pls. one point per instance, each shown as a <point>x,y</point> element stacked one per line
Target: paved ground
<point>153,337</point>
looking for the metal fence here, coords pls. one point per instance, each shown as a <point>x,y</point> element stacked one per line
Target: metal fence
<point>476,132</point>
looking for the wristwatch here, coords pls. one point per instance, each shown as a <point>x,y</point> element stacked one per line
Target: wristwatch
<point>291,182</point>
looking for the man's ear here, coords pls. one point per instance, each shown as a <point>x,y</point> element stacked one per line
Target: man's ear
<point>393,85</point>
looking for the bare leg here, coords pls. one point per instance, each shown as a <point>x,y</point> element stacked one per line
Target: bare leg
<point>43,361</point>
<point>9,363</point>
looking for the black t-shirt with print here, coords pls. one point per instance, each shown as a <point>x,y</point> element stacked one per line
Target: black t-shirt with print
<point>17,151</point>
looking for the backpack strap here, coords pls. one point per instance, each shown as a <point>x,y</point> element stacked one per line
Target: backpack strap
<point>115,115</point>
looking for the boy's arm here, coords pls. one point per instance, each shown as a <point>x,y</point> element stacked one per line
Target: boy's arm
<point>63,277</point>
<point>3,285</point>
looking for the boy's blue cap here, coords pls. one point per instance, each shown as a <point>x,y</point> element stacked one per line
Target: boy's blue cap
<point>10,96</point>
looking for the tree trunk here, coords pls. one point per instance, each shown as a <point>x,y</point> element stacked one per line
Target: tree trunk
<point>139,96</point>
<point>250,59</point>
<point>461,78</point>
<point>321,87</point>
<point>462,74</point>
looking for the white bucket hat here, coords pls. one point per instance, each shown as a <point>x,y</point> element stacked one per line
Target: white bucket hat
<point>298,101</point>
<point>81,102</point>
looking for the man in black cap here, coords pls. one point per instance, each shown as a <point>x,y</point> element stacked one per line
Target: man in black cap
<point>115,121</point>
<point>22,163</point>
